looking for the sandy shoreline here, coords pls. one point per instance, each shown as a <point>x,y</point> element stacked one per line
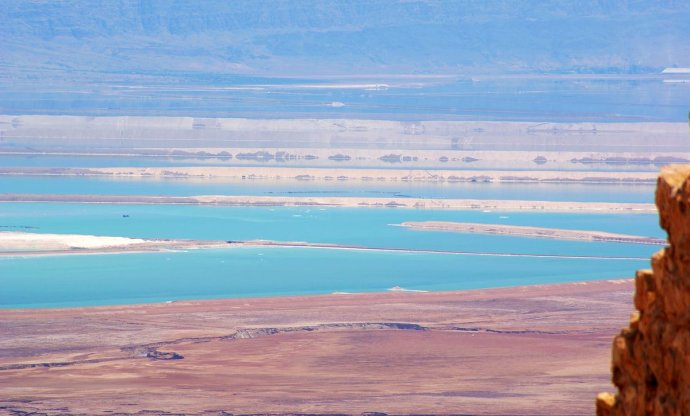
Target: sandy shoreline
<point>345,202</point>
<point>189,132</point>
<point>40,241</point>
<point>20,244</point>
<point>288,174</point>
<point>534,232</point>
<point>353,158</point>
<point>521,351</point>
<point>33,244</point>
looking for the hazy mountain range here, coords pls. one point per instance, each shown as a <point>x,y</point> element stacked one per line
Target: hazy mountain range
<point>277,57</point>
<point>313,37</point>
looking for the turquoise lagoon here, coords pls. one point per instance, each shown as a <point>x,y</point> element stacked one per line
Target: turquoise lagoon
<point>374,227</point>
<point>250,272</point>
<point>56,281</point>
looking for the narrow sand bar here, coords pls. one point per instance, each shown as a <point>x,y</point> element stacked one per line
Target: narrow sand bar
<point>365,202</point>
<point>519,351</point>
<point>287,174</point>
<point>536,232</point>
<point>26,244</point>
<point>19,244</point>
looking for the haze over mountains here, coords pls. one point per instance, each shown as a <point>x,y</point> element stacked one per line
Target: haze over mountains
<point>143,57</point>
<point>306,38</point>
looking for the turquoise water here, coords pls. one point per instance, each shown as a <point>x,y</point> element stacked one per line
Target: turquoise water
<point>186,187</point>
<point>354,226</point>
<point>245,272</point>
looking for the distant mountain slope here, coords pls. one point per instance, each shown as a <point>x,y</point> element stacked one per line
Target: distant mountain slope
<point>387,59</point>
<point>57,39</point>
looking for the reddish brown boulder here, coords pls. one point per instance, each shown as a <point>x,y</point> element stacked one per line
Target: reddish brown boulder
<point>651,358</point>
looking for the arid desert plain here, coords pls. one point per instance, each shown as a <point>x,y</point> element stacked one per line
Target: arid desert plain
<point>538,350</point>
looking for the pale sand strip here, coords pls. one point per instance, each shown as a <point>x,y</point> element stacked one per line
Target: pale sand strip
<point>20,244</point>
<point>299,244</point>
<point>35,241</point>
<point>399,159</point>
<point>235,173</point>
<point>537,232</point>
<point>171,132</point>
<point>26,244</point>
<point>366,202</point>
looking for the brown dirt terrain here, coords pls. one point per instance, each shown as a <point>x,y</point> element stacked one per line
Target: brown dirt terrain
<point>539,350</point>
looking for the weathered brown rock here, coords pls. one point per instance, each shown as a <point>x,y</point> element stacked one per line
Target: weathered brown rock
<point>651,358</point>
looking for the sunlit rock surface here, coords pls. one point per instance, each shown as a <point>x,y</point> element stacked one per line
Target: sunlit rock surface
<point>651,358</point>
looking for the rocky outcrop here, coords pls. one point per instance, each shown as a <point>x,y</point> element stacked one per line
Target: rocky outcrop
<point>651,358</point>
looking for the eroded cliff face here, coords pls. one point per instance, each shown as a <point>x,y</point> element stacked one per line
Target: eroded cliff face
<point>651,358</point>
